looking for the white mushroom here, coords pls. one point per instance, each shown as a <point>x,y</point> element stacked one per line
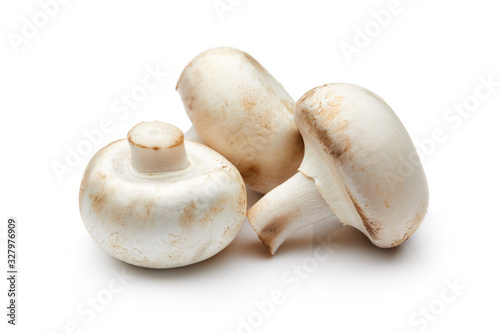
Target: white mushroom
<point>192,135</point>
<point>242,112</point>
<point>156,201</point>
<point>359,165</point>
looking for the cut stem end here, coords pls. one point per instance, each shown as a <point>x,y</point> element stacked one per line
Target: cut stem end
<point>157,147</point>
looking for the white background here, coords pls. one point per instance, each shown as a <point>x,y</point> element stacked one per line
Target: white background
<point>65,79</point>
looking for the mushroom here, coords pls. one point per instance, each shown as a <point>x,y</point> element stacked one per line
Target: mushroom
<point>360,165</point>
<point>241,111</point>
<point>192,135</point>
<point>159,202</point>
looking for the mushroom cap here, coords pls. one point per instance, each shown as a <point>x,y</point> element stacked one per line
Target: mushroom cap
<point>363,162</point>
<point>162,220</point>
<point>242,112</point>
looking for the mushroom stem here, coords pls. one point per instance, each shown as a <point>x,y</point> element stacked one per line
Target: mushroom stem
<point>286,209</point>
<point>157,147</point>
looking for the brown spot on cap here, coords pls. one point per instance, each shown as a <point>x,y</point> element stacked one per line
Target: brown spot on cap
<point>326,126</point>
<point>191,99</point>
<point>98,200</point>
<point>188,215</point>
<point>370,225</point>
<point>336,102</point>
<point>148,209</point>
<point>100,176</point>
<point>248,103</point>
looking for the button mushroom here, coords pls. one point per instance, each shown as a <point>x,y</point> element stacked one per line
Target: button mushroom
<point>242,112</point>
<point>159,202</point>
<point>359,165</point>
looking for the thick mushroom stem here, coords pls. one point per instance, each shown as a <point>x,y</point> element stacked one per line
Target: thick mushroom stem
<point>157,147</point>
<point>286,209</point>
